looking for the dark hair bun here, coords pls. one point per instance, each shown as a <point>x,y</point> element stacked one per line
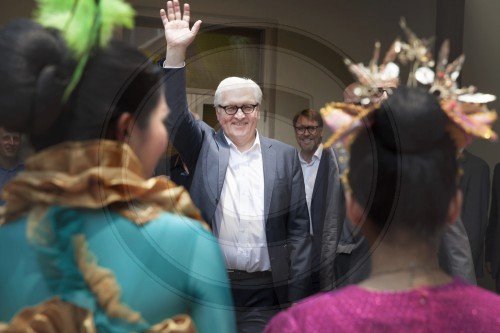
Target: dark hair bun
<point>410,121</point>
<point>35,68</point>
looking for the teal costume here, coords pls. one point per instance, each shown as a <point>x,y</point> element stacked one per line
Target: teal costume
<point>167,266</point>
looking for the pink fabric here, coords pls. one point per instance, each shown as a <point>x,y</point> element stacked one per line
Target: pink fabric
<point>455,307</point>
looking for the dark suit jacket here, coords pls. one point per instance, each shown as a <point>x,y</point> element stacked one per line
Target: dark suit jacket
<point>172,167</point>
<point>493,231</point>
<point>339,236</point>
<point>206,153</point>
<point>326,176</point>
<point>327,214</point>
<point>475,185</point>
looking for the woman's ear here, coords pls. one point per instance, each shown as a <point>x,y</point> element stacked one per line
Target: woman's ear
<point>123,127</point>
<point>455,207</point>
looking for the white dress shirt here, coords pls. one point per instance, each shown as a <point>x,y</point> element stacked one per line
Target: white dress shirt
<point>239,217</point>
<point>310,170</point>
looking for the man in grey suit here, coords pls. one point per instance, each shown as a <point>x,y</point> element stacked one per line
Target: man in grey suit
<point>324,191</point>
<point>249,188</point>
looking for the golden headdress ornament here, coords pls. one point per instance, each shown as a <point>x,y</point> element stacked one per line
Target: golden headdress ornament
<point>465,107</point>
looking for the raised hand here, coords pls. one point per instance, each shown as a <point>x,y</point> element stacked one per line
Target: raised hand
<point>177,32</point>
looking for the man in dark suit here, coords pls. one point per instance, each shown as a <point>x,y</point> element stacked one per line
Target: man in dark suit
<point>324,191</point>
<point>475,186</point>
<point>249,188</point>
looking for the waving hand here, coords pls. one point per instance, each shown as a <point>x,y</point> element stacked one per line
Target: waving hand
<point>177,32</point>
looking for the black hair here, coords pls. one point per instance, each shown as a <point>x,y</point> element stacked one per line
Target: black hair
<point>36,67</point>
<point>403,169</point>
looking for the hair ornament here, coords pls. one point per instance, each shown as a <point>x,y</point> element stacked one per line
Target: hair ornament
<point>465,107</point>
<point>416,52</point>
<point>345,119</point>
<point>373,77</point>
<point>84,24</point>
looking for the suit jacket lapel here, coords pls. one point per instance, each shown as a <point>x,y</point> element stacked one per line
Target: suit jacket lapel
<point>323,165</point>
<point>269,165</point>
<point>223,161</point>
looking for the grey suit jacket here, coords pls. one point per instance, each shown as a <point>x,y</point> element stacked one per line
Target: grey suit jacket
<point>455,256</point>
<point>206,154</point>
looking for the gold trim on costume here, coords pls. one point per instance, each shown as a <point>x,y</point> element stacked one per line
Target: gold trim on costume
<point>102,283</point>
<point>56,316</point>
<point>95,174</point>
<point>90,174</point>
<point>51,316</point>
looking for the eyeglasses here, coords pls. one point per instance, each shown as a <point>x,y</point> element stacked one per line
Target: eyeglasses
<point>11,138</point>
<point>232,109</point>
<point>310,129</point>
<point>380,91</point>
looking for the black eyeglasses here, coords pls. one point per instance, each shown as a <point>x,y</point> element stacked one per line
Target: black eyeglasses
<point>381,91</point>
<point>232,109</point>
<point>310,129</point>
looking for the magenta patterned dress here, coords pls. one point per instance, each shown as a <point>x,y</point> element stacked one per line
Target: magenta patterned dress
<point>454,307</point>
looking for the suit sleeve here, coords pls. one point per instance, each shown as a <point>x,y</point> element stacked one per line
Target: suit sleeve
<point>482,202</point>
<point>491,235</point>
<point>475,186</point>
<point>333,224</point>
<point>298,236</point>
<point>184,131</point>
<point>455,256</point>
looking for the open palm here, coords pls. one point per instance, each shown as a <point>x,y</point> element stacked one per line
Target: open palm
<point>177,32</point>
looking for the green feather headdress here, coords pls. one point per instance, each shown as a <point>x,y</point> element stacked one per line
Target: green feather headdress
<point>85,24</point>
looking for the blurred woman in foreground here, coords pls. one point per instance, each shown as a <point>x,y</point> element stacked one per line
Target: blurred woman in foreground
<point>88,240</point>
<point>403,181</point>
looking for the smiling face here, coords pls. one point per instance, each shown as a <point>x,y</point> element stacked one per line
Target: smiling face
<point>241,127</point>
<point>311,137</point>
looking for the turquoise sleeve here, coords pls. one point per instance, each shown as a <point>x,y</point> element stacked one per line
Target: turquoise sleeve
<point>194,269</point>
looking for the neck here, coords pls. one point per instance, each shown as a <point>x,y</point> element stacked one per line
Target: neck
<point>307,156</point>
<point>8,163</point>
<point>404,265</point>
<point>243,146</point>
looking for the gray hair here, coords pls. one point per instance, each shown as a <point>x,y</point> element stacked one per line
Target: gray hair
<point>235,82</point>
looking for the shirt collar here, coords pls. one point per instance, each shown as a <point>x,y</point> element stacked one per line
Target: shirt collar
<point>316,157</point>
<point>256,143</point>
